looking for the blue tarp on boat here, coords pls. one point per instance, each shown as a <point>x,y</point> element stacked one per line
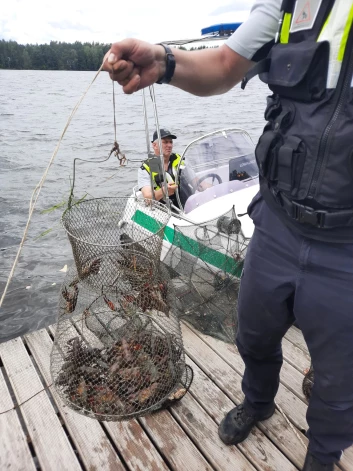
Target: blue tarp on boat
<point>222,29</point>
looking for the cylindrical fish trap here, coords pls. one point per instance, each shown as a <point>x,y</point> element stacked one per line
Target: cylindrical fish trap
<point>116,357</point>
<point>101,230</point>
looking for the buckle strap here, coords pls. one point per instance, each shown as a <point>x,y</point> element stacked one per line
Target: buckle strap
<point>307,215</point>
<point>317,218</point>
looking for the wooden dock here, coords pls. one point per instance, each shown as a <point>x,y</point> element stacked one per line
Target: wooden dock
<point>45,434</point>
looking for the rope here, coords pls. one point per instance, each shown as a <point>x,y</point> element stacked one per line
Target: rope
<point>114,111</point>
<point>37,190</point>
<point>46,388</point>
<point>291,426</point>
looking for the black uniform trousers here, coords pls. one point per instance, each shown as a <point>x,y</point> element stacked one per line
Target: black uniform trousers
<point>287,276</point>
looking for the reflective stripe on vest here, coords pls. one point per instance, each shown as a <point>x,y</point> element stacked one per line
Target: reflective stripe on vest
<point>175,164</point>
<point>335,31</point>
<point>285,28</point>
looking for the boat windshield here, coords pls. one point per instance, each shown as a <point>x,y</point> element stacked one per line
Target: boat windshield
<point>215,165</point>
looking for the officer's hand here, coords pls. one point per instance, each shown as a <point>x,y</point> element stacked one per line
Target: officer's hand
<point>135,64</point>
<point>171,188</point>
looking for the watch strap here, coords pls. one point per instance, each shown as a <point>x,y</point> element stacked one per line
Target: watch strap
<point>169,65</point>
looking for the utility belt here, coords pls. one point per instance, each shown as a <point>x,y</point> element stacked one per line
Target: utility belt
<point>319,218</point>
<point>281,160</point>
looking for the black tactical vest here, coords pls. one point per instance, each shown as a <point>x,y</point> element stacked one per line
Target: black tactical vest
<point>305,154</point>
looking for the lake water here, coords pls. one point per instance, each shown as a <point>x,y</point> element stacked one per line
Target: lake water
<point>34,108</point>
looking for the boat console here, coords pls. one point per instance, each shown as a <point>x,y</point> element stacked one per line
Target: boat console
<point>217,164</point>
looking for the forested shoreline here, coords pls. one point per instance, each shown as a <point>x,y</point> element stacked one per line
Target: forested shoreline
<point>53,56</point>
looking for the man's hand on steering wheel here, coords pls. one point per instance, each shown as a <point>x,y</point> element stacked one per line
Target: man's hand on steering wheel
<point>214,177</point>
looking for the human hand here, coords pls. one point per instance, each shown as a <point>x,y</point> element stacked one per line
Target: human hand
<point>171,188</point>
<point>135,64</point>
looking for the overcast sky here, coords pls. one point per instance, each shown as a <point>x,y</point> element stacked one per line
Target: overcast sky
<point>106,21</point>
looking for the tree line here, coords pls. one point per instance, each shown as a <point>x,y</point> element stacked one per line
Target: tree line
<point>54,56</point>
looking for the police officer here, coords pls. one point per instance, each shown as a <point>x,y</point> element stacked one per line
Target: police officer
<point>300,259</point>
<point>171,163</point>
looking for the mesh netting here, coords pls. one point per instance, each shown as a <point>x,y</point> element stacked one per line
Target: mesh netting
<point>206,262</point>
<point>308,382</point>
<point>120,355</point>
<point>100,230</point>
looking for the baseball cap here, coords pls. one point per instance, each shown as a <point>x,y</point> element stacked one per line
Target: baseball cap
<point>164,133</point>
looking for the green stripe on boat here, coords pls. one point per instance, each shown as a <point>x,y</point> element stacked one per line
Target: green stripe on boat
<point>206,254</point>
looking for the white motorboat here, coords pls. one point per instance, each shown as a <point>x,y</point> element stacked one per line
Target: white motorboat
<point>218,183</point>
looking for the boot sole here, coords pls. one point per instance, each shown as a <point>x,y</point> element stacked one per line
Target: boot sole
<point>241,438</point>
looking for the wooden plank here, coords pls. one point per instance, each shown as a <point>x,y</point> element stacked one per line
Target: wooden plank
<point>135,447</point>
<point>196,347</point>
<point>263,454</point>
<point>276,428</point>
<point>14,450</point>
<point>49,440</point>
<point>295,356</point>
<point>176,447</point>
<point>204,432</point>
<point>229,381</point>
<point>295,336</point>
<point>293,380</point>
<point>346,462</point>
<point>92,444</point>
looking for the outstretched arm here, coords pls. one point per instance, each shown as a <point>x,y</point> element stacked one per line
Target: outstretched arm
<point>136,64</point>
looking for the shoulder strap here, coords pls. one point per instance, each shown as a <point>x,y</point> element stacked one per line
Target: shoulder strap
<point>259,68</point>
<point>288,6</point>
<point>144,166</point>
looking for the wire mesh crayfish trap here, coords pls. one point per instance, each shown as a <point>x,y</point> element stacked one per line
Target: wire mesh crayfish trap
<point>103,231</point>
<point>118,350</point>
<point>114,357</point>
<point>207,259</point>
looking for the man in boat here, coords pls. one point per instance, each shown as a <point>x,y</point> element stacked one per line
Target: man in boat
<point>171,163</point>
<point>300,260</point>
<point>172,166</point>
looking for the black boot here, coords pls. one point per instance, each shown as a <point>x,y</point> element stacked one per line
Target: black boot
<point>313,464</point>
<point>237,424</point>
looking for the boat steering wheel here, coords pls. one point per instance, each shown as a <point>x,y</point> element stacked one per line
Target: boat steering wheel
<point>214,177</point>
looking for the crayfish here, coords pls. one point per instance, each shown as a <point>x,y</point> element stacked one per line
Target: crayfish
<point>91,268</point>
<point>133,271</point>
<point>153,296</point>
<point>70,298</point>
<point>138,371</point>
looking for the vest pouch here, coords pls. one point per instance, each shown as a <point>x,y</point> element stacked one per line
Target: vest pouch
<point>290,164</point>
<point>298,70</point>
<point>273,108</point>
<point>266,154</point>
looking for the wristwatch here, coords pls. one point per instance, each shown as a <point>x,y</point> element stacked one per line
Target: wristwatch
<point>169,65</point>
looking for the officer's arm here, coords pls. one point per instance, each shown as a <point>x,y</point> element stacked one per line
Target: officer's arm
<point>136,64</point>
<point>209,71</point>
